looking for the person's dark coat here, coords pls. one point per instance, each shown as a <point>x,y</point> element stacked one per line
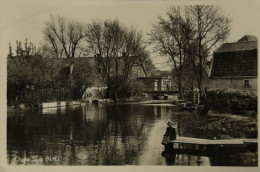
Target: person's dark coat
<point>170,131</point>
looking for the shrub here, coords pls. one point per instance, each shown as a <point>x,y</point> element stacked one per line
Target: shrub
<point>232,101</point>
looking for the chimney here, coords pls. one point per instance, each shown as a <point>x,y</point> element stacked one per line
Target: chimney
<point>10,50</point>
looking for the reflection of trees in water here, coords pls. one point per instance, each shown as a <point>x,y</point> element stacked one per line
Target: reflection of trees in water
<point>190,160</point>
<point>123,135</point>
<point>106,134</point>
<point>187,123</point>
<point>125,132</point>
<point>22,132</point>
<point>36,134</point>
<point>113,150</point>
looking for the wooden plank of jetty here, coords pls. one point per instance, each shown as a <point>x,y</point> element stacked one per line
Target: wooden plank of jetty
<point>226,142</point>
<point>190,140</point>
<point>198,141</point>
<point>246,141</point>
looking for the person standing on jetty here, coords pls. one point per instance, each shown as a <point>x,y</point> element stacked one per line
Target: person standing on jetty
<point>169,135</point>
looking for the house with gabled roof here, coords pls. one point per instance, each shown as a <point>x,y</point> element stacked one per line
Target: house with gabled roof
<point>234,65</point>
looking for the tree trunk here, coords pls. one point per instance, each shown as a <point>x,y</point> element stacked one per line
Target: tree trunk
<point>115,96</point>
<point>200,91</point>
<point>180,87</point>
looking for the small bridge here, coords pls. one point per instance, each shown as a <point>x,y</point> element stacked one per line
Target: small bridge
<point>161,92</point>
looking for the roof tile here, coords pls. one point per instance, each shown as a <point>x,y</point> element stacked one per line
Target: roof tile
<point>238,46</point>
<point>236,59</point>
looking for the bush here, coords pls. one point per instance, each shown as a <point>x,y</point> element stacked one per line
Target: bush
<point>232,101</point>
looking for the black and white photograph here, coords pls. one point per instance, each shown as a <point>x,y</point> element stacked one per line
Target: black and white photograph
<point>129,83</point>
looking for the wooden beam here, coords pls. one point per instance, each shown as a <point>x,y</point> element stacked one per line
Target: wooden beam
<point>199,141</point>
<point>250,141</point>
<point>226,142</point>
<point>190,140</point>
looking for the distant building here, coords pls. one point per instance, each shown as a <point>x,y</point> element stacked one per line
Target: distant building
<point>156,83</point>
<point>234,65</point>
<point>97,90</point>
<point>160,81</point>
<point>68,63</point>
<point>98,87</point>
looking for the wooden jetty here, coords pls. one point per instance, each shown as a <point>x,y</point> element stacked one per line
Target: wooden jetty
<point>205,142</point>
<point>207,147</point>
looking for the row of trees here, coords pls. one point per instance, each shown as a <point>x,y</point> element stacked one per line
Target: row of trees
<point>28,71</point>
<point>187,36</point>
<point>117,49</point>
<point>32,79</point>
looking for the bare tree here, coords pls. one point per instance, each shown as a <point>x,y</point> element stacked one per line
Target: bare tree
<point>64,36</point>
<point>190,33</point>
<point>117,49</point>
<point>169,41</point>
<point>99,42</point>
<point>134,52</point>
<point>205,27</point>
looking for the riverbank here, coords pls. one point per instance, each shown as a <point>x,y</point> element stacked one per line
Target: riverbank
<point>225,126</point>
<point>228,114</point>
<point>44,105</point>
<point>229,126</point>
<point>95,101</point>
<point>147,102</point>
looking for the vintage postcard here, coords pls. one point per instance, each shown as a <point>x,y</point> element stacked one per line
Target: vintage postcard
<point>99,85</point>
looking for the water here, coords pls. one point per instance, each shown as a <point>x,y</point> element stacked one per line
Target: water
<point>127,134</point>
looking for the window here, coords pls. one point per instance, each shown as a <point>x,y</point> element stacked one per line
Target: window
<point>164,82</point>
<point>156,86</point>
<point>66,72</point>
<point>246,83</point>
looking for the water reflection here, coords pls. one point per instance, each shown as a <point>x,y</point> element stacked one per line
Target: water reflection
<point>97,135</point>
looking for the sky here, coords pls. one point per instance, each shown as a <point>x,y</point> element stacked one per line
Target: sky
<point>26,19</point>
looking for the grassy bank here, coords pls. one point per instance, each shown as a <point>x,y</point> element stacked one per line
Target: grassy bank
<point>229,113</point>
<point>225,126</point>
<point>231,101</point>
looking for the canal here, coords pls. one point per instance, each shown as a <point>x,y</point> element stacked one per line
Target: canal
<point>104,134</point>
